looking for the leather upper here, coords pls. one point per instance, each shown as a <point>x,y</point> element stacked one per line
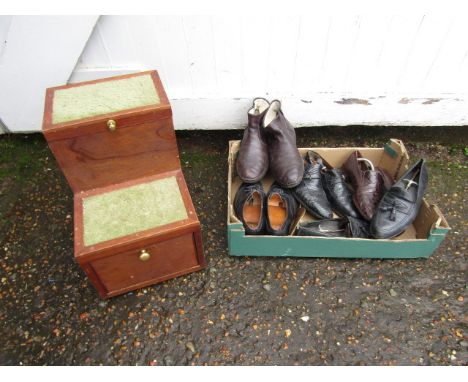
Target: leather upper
<point>243,196</point>
<point>323,228</point>
<point>289,203</point>
<point>341,227</point>
<point>286,164</point>
<point>358,228</point>
<point>368,185</point>
<point>252,159</point>
<point>400,205</point>
<point>310,192</point>
<point>339,193</point>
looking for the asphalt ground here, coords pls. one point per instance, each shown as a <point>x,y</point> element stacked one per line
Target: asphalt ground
<point>238,311</point>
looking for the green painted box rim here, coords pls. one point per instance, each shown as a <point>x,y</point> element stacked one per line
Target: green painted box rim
<point>240,244</point>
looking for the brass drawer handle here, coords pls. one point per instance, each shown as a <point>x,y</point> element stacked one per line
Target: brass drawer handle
<point>111,125</point>
<point>144,256</point>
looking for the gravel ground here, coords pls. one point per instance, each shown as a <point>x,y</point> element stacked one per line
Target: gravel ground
<point>244,311</point>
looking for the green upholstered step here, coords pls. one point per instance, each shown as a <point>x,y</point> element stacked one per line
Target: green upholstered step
<point>132,209</point>
<point>103,97</point>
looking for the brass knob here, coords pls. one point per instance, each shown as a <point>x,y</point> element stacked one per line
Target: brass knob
<point>144,256</point>
<point>111,125</point>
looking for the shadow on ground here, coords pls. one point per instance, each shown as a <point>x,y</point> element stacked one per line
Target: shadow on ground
<point>239,310</point>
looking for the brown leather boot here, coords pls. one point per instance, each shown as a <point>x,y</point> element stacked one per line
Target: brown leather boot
<point>369,183</point>
<point>252,159</point>
<point>286,164</point>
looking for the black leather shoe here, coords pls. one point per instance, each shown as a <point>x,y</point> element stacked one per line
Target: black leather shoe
<point>310,191</point>
<point>400,204</point>
<point>323,228</point>
<point>281,210</point>
<point>249,204</point>
<point>358,228</point>
<point>342,227</point>
<point>339,193</point>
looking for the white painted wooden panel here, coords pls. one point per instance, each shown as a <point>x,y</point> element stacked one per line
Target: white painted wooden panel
<point>327,69</point>
<point>228,47</point>
<point>311,53</point>
<point>5,22</point>
<point>38,52</point>
<point>449,70</point>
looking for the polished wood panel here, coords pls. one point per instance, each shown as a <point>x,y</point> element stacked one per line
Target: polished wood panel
<point>105,158</point>
<point>126,269</point>
<point>98,125</point>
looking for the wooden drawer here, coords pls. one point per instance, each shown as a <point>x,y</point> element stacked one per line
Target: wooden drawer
<point>167,259</point>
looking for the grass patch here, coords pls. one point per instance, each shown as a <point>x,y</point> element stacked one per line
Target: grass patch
<point>195,158</point>
<point>446,172</point>
<point>21,156</point>
<point>456,148</point>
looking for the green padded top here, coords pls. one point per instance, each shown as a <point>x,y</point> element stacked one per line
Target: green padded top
<point>132,209</point>
<point>85,101</point>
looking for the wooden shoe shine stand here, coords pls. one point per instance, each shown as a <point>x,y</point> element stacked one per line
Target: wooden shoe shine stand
<point>134,224</point>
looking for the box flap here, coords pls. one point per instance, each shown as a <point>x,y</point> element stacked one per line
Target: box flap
<point>394,158</point>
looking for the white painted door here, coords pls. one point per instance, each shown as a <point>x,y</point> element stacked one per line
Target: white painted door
<point>327,69</point>
<point>36,52</point>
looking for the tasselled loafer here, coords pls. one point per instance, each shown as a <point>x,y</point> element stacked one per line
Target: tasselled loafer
<point>401,203</point>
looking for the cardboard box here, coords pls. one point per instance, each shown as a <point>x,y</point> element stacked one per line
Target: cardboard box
<point>134,222</point>
<point>420,240</point>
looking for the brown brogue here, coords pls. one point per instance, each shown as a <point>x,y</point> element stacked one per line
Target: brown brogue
<point>252,159</point>
<point>369,183</point>
<point>286,164</point>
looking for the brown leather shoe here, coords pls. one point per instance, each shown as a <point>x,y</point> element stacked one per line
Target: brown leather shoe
<point>281,210</point>
<point>369,183</point>
<point>286,164</point>
<point>252,159</point>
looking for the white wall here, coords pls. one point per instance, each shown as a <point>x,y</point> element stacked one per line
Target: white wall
<point>36,52</point>
<point>334,70</point>
<point>327,70</point>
